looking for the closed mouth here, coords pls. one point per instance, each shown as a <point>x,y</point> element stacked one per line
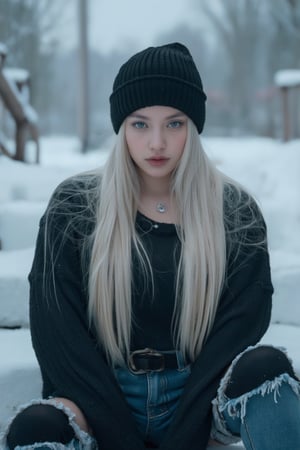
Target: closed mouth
<point>157,159</point>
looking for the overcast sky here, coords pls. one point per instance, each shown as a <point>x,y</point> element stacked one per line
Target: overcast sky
<point>115,23</point>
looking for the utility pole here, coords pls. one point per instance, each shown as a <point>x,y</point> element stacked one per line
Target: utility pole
<point>83,107</point>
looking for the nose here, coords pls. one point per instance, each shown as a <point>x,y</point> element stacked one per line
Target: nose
<point>157,139</point>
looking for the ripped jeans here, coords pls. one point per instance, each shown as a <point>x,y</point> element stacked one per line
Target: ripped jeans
<point>81,440</point>
<point>265,417</point>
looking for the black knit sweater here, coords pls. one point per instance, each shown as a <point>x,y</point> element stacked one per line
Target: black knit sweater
<point>72,363</point>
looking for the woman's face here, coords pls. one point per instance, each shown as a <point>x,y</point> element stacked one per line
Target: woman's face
<point>156,137</point>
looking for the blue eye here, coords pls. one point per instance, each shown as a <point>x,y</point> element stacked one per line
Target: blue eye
<point>139,124</point>
<point>175,124</point>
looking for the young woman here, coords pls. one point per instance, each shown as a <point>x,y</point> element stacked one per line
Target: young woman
<point>150,289</point>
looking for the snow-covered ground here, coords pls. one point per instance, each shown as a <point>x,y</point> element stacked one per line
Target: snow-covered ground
<point>269,169</point>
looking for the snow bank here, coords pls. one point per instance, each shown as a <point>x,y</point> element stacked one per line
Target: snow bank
<point>14,288</point>
<point>270,171</point>
<point>287,78</point>
<point>60,158</point>
<point>16,75</point>
<point>19,223</point>
<point>3,48</point>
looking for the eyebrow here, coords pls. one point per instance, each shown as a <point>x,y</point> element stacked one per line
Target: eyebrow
<point>172,116</point>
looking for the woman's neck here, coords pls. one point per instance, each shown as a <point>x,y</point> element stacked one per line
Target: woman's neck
<point>155,187</point>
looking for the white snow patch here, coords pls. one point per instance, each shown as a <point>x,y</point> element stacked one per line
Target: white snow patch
<point>287,78</point>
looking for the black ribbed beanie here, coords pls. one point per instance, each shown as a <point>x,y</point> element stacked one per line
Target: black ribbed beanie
<point>165,75</point>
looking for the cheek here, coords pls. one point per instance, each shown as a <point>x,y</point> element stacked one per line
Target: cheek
<point>133,146</point>
<point>132,138</point>
<point>181,140</point>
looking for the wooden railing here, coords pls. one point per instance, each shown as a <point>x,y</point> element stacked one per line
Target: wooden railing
<point>288,82</point>
<point>22,113</point>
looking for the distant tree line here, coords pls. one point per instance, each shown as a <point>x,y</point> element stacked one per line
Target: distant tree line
<point>237,44</point>
<point>253,39</point>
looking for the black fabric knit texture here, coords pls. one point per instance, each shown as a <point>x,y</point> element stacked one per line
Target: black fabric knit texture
<point>166,75</point>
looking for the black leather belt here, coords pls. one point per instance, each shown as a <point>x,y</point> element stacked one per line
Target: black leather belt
<point>148,360</point>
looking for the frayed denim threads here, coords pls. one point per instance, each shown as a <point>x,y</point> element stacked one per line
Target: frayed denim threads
<point>237,407</point>
<point>225,408</point>
<point>82,440</point>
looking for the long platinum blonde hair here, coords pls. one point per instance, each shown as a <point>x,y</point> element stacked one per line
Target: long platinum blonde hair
<point>198,191</point>
<point>215,215</point>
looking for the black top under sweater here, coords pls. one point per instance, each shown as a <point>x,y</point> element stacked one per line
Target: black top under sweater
<point>73,365</point>
<point>149,308</point>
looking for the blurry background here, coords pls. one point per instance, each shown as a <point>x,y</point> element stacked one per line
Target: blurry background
<point>238,46</point>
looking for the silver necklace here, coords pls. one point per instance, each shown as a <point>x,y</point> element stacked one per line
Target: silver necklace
<point>161,207</point>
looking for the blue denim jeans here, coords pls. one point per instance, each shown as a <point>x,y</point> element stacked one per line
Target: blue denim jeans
<point>81,441</point>
<point>269,424</point>
<point>265,418</point>
<point>153,397</point>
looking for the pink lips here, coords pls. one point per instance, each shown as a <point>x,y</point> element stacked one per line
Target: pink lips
<point>157,161</point>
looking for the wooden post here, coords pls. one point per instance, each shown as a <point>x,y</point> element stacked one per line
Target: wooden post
<point>286,115</point>
<point>288,82</point>
<point>21,129</point>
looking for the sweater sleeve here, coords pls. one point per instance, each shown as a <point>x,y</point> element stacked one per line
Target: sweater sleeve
<point>242,318</point>
<point>71,362</point>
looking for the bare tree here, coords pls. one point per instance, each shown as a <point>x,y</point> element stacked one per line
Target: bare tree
<point>239,31</point>
<point>285,44</point>
<point>254,39</point>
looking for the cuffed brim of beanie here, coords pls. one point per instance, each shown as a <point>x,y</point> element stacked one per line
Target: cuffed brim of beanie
<point>156,92</point>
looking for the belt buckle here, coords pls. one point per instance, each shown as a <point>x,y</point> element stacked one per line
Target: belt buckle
<point>145,352</point>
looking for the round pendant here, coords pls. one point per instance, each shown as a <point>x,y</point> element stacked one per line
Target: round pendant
<point>161,207</point>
